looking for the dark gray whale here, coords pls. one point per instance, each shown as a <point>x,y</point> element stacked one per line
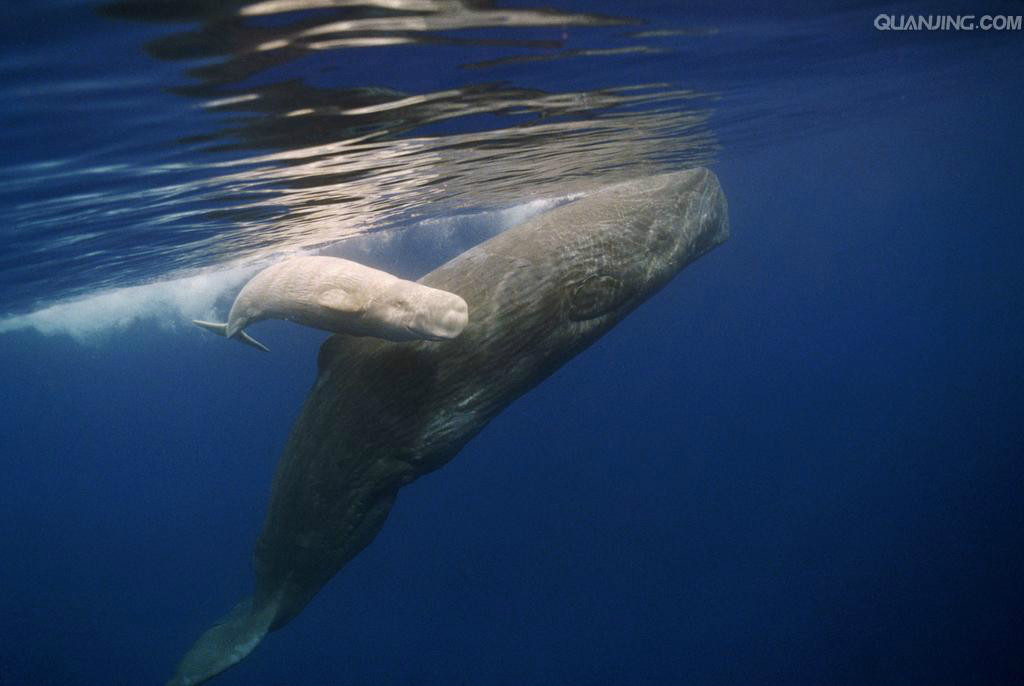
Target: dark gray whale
<point>381,413</point>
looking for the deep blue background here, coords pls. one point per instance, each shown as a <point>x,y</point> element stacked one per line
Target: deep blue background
<point>800,463</point>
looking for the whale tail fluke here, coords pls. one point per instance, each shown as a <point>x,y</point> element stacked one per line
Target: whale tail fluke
<point>222,330</point>
<point>224,644</point>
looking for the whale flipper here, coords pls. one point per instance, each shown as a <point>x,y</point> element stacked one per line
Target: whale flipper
<point>222,330</point>
<point>225,643</point>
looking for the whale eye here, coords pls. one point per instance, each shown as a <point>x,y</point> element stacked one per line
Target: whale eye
<point>595,295</point>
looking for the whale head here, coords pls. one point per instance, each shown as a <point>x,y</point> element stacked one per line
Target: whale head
<point>411,311</point>
<point>631,240</point>
<point>546,288</point>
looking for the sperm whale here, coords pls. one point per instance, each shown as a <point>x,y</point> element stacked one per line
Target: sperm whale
<point>381,414</point>
<point>342,296</point>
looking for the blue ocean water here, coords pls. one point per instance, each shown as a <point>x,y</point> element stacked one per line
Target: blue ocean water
<point>800,463</point>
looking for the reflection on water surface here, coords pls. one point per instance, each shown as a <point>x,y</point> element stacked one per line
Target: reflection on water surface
<point>149,138</point>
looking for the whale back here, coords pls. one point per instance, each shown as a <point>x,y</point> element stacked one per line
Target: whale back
<point>304,289</point>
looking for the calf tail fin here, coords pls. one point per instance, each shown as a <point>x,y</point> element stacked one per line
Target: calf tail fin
<point>222,330</point>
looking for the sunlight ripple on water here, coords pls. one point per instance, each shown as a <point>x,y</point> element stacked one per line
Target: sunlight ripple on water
<point>299,123</point>
<point>213,134</point>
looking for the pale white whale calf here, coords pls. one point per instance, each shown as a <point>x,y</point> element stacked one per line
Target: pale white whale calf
<point>341,296</point>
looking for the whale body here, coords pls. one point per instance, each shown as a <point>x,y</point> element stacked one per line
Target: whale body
<point>380,414</point>
<point>342,296</point>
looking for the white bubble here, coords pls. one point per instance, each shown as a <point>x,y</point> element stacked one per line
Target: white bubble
<point>93,318</point>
